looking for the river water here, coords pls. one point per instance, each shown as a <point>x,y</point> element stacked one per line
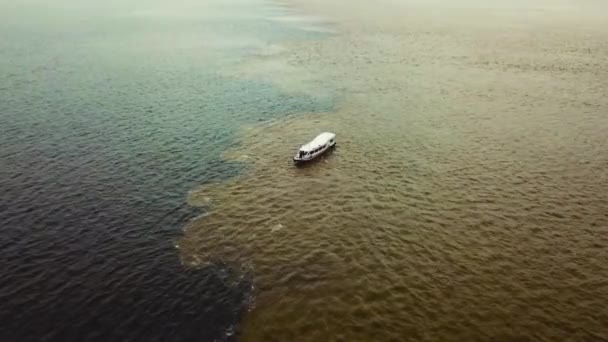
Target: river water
<point>109,114</point>
<point>148,192</point>
<point>467,198</point>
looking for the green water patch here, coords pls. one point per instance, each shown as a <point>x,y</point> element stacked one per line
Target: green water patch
<point>110,114</point>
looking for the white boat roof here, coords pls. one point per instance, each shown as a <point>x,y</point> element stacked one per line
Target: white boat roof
<point>321,139</point>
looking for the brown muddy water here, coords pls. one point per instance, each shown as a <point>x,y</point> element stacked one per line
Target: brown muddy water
<point>467,198</point>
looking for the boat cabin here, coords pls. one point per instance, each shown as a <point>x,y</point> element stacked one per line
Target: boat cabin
<point>316,147</point>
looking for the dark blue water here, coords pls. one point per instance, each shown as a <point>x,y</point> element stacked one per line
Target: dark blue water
<point>109,115</point>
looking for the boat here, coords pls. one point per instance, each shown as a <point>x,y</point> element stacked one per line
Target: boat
<point>316,147</point>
